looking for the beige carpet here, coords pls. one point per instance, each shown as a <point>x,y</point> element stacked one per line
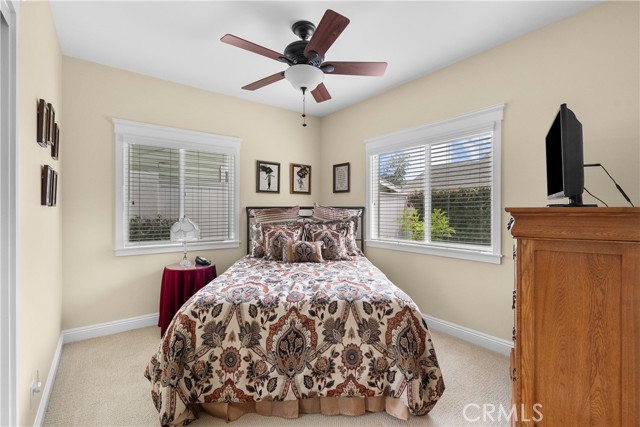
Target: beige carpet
<point>100,382</point>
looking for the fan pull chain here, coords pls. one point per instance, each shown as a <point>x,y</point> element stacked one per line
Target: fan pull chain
<point>304,111</point>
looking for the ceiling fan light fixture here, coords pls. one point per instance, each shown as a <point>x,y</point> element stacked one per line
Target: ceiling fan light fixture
<point>304,76</point>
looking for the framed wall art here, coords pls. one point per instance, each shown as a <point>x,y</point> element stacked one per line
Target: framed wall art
<point>300,178</point>
<point>55,146</point>
<point>341,178</point>
<point>49,186</point>
<point>45,185</point>
<point>51,121</point>
<point>47,130</point>
<point>54,188</point>
<point>42,125</point>
<point>267,177</point>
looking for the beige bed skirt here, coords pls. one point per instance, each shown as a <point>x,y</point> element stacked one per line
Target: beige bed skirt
<point>317,405</point>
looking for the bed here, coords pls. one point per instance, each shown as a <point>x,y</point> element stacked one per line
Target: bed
<point>279,336</point>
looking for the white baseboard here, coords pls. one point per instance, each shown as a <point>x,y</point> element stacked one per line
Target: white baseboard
<point>474,337</point>
<point>48,385</point>
<point>109,328</point>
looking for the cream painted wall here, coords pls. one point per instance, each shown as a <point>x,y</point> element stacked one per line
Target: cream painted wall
<point>98,286</point>
<point>590,61</point>
<point>40,248</point>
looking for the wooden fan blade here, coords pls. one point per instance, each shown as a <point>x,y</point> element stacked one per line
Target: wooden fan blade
<point>328,30</point>
<point>251,47</point>
<point>320,93</point>
<point>357,68</point>
<point>266,81</point>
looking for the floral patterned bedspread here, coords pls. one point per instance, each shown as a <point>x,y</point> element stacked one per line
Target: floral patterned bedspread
<point>267,330</point>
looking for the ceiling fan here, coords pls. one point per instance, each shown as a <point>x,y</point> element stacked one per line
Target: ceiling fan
<point>305,57</point>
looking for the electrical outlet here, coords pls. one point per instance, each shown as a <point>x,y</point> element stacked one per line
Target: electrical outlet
<point>36,386</point>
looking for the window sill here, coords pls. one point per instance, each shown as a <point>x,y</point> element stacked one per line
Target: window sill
<point>487,257</point>
<point>174,247</point>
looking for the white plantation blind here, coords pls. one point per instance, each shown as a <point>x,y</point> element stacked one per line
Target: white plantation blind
<point>399,176</point>
<point>165,174</point>
<point>164,184</point>
<point>460,185</point>
<point>436,189</point>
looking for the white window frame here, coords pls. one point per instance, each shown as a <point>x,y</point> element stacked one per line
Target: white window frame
<point>129,132</point>
<point>488,119</point>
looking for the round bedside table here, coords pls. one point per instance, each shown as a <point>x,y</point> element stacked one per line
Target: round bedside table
<point>178,285</point>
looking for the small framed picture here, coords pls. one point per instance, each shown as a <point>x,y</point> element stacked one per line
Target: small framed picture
<point>46,181</point>
<point>54,188</point>
<point>341,178</point>
<point>300,178</point>
<point>267,177</point>
<point>42,122</point>
<point>55,146</point>
<point>51,121</point>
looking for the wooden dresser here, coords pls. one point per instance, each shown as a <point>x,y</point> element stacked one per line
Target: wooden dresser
<point>576,356</point>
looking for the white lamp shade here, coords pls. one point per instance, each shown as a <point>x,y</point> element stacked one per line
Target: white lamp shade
<point>184,230</point>
<point>303,75</point>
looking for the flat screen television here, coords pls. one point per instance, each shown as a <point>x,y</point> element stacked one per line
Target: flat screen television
<point>565,161</point>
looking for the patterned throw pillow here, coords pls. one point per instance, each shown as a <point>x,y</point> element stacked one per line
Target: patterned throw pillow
<point>276,214</point>
<point>351,239</point>
<point>347,229</point>
<point>256,249</point>
<point>276,238</point>
<point>303,252</point>
<point>333,244</point>
<point>256,235</point>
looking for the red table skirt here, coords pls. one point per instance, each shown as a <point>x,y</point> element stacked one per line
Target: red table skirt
<point>178,285</point>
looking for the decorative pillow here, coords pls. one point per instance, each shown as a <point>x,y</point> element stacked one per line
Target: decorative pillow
<point>333,244</point>
<point>347,229</point>
<point>327,213</point>
<point>276,238</point>
<point>256,235</point>
<point>256,249</point>
<point>351,240</point>
<point>276,214</point>
<point>303,252</point>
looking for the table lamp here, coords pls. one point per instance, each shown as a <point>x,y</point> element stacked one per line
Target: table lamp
<point>185,231</point>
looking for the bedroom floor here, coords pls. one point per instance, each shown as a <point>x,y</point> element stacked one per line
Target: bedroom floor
<point>100,382</point>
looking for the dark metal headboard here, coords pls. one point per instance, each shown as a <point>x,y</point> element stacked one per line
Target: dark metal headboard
<point>306,212</point>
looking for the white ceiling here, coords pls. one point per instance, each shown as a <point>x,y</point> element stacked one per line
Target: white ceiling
<point>180,40</point>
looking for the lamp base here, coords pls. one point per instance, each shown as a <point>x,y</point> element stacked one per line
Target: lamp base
<point>185,263</point>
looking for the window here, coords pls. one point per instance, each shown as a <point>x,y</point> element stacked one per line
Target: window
<point>163,174</point>
<point>435,189</point>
